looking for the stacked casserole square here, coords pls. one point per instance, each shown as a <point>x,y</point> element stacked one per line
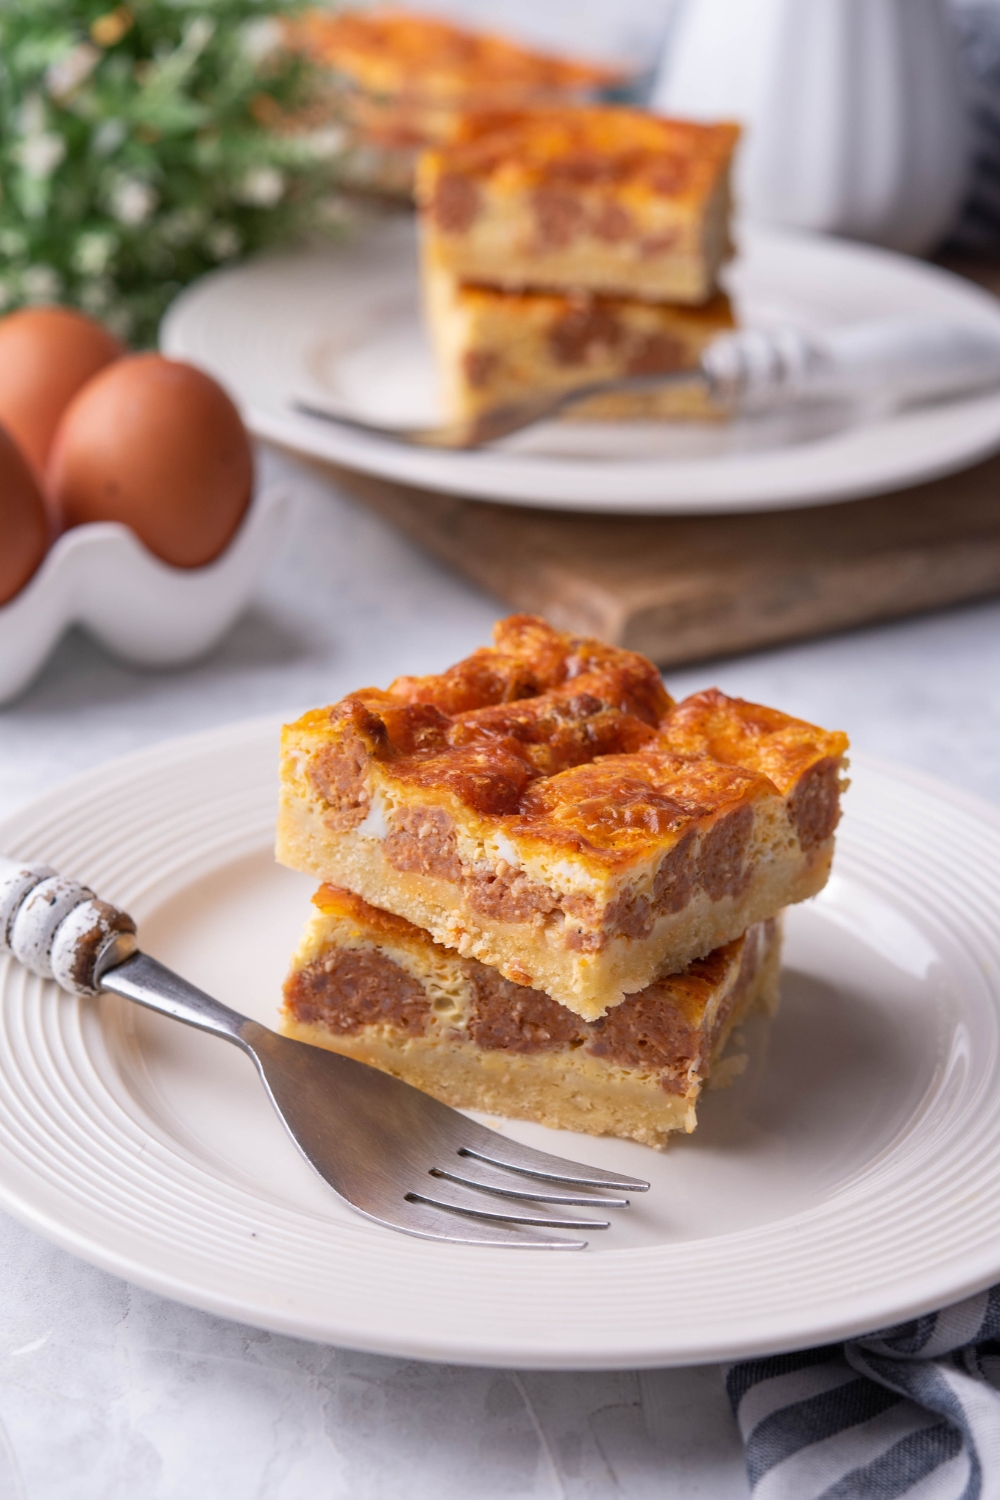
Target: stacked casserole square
<point>548,890</point>
<point>569,245</point>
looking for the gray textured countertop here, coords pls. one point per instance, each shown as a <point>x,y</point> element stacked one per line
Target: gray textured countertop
<point>107,1391</point>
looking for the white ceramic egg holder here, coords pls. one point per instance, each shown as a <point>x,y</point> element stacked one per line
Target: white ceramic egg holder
<point>101,576</point>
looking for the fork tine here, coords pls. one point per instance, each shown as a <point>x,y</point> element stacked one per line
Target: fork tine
<point>386,1137</point>
<point>500,1151</point>
<point>471,1207</point>
<point>432,1223</point>
<point>475,1174</point>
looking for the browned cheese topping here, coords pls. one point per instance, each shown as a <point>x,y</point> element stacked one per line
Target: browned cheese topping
<point>572,746</point>
<point>573,164</point>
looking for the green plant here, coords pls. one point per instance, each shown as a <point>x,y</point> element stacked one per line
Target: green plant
<point>141,146</point>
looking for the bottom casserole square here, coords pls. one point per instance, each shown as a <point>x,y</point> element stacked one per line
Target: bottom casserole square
<point>495,348</point>
<point>373,986</point>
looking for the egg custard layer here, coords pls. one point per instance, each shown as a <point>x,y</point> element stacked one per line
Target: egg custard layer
<point>374,987</point>
<point>546,808</point>
<point>595,199</point>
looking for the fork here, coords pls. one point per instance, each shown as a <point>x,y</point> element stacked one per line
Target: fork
<point>392,1152</point>
<point>895,359</point>
<point>497,421</point>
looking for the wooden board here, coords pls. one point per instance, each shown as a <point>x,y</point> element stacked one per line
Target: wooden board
<point>683,588</point>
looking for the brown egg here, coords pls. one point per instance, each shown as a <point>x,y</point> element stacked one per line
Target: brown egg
<point>159,445</point>
<point>46,355</point>
<point>24,524</point>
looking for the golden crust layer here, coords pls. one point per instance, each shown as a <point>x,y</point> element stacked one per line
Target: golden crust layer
<point>495,347</point>
<point>545,807</point>
<point>628,150</point>
<point>601,199</point>
<point>366,983</point>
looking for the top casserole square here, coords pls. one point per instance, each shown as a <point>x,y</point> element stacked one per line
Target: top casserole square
<point>598,199</point>
<point>545,807</point>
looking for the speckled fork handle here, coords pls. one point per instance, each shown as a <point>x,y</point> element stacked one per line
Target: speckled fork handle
<point>394,1153</point>
<point>59,929</point>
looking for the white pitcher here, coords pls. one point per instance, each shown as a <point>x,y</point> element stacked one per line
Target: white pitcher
<point>853,110</point>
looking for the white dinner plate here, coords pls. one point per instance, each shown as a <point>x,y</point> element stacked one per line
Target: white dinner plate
<point>342,328</point>
<point>851,1176</point>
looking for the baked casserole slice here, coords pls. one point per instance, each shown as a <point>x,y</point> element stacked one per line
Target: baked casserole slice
<point>400,81</point>
<point>546,808</point>
<point>376,988</point>
<point>590,199</point>
<point>494,348</point>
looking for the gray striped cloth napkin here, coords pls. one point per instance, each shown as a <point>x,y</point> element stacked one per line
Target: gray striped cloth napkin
<point>912,1411</point>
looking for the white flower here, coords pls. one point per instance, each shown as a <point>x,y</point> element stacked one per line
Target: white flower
<point>182,226</point>
<point>223,242</point>
<point>260,38</point>
<point>108,137</point>
<point>41,284</point>
<point>197,35</point>
<point>12,243</point>
<point>39,151</point>
<point>262,186</point>
<point>132,200</point>
<point>31,115</point>
<point>39,155</point>
<point>325,143</point>
<point>93,251</point>
<point>68,72</point>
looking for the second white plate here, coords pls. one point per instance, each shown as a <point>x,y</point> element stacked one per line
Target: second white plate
<point>849,1179</point>
<point>342,327</point>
